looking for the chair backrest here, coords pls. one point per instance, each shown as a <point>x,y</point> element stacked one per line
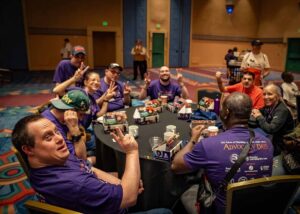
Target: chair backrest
<point>21,161</point>
<point>263,195</point>
<point>39,207</point>
<point>36,206</point>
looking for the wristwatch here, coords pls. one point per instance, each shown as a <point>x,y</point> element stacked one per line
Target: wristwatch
<point>76,138</point>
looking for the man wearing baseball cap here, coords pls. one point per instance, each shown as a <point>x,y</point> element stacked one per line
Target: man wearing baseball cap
<point>122,92</point>
<point>256,62</point>
<point>65,113</point>
<point>73,69</point>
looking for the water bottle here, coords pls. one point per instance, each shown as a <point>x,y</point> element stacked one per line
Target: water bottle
<point>217,105</point>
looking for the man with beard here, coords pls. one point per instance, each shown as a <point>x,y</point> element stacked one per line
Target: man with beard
<point>245,86</point>
<point>164,86</point>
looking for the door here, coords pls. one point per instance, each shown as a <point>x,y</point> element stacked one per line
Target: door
<point>104,48</point>
<point>293,55</point>
<point>180,33</point>
<point>158,44</point>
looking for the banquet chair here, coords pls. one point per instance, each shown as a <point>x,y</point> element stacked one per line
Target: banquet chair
<point>263,195</point>
<point>37,206</point>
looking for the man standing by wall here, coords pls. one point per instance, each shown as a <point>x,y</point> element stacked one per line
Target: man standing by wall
<point>139,59</point>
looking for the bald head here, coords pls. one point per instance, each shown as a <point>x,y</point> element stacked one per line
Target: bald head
<point>239,105</point>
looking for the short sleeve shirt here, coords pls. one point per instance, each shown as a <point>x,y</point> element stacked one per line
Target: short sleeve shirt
<point>155,90</point>
<point>117,102</point>
<point>74,186</point>
<point>255,93</point>
<point>217,154</point>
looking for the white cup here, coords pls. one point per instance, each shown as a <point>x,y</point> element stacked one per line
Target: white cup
<point>212,131</point>
<point>168,135</point>
<point>171,128</point>
<point>133,130</point>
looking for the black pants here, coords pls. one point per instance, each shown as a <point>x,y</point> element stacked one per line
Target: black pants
<point>142,66</point>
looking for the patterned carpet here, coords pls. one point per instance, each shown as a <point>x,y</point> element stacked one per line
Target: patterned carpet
<point>19,97</point>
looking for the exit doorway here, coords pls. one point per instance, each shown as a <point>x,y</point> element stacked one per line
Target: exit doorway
<point>104,48</point>
<point>158,44</point>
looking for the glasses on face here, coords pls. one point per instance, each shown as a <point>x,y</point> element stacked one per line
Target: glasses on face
<point>115,72</point>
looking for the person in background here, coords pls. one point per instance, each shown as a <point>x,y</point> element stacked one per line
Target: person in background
<point>257,62</point>
<point>121,93</point>
<point>229,56</point>
<point>66,113</point>
<point>65,52</point>
<point>72,68</point>
<point>290,91</point>
<point>80,187</point>
<point>164,86</point>
<point>139,54</point>
<point>245,86</point>
<point>216,155</point>
<point>275,118</point>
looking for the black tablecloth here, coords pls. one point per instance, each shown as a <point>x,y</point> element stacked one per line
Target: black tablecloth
<point>162,187</point>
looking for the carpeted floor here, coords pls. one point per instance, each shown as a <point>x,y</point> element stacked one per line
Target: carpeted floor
<point>28,90</point>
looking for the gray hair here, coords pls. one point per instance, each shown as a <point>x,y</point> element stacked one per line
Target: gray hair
<point>239,105</point>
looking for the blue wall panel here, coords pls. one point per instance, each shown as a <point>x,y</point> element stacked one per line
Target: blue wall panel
<point>134,26</point>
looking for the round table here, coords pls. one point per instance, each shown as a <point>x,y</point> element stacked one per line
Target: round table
<point>162,187</point>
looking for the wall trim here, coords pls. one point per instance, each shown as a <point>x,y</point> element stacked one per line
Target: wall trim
<point>56,31</point>
<point>235,38</point>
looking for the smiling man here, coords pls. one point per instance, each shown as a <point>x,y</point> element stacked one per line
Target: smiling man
<point>164,86</point>
<point>245,86</point>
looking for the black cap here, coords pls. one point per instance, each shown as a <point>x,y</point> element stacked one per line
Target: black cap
<point>256,42</point>
<point>114,66</point>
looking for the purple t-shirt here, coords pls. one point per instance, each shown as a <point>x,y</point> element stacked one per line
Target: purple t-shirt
<point>155,90</point>
<point>117,102</point>
<point>94,109</point>
<point>64,71</point>
<point>74,186</point>
<point>63,129</point>
<point>217,154</point>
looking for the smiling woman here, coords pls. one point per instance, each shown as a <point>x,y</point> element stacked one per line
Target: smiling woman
<point>274,118</point>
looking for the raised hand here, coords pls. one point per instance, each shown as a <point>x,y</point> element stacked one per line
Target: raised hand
<point>127,88</point>
<point>196,132</point>
<point>147,79</point>
<point>179,75</point>
<point>126,142</point>
<point>111,91</point>
<point>218,74</point>
<point>71,119</point>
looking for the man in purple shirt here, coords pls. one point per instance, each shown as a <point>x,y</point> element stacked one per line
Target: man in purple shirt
<point>122,93</point>
<point>64,180</point>
<point>73,68</point>
<point>164,86</point>
<point>66,113</point>
<point>216,155</point>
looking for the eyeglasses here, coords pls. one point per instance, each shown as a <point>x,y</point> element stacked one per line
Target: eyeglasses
<point>115,72</point>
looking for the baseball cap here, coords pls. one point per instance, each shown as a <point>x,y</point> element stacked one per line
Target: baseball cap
<point>78,50</point>
<point>74,99</point>
<point>256,42</point>
<point>114,66</point>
